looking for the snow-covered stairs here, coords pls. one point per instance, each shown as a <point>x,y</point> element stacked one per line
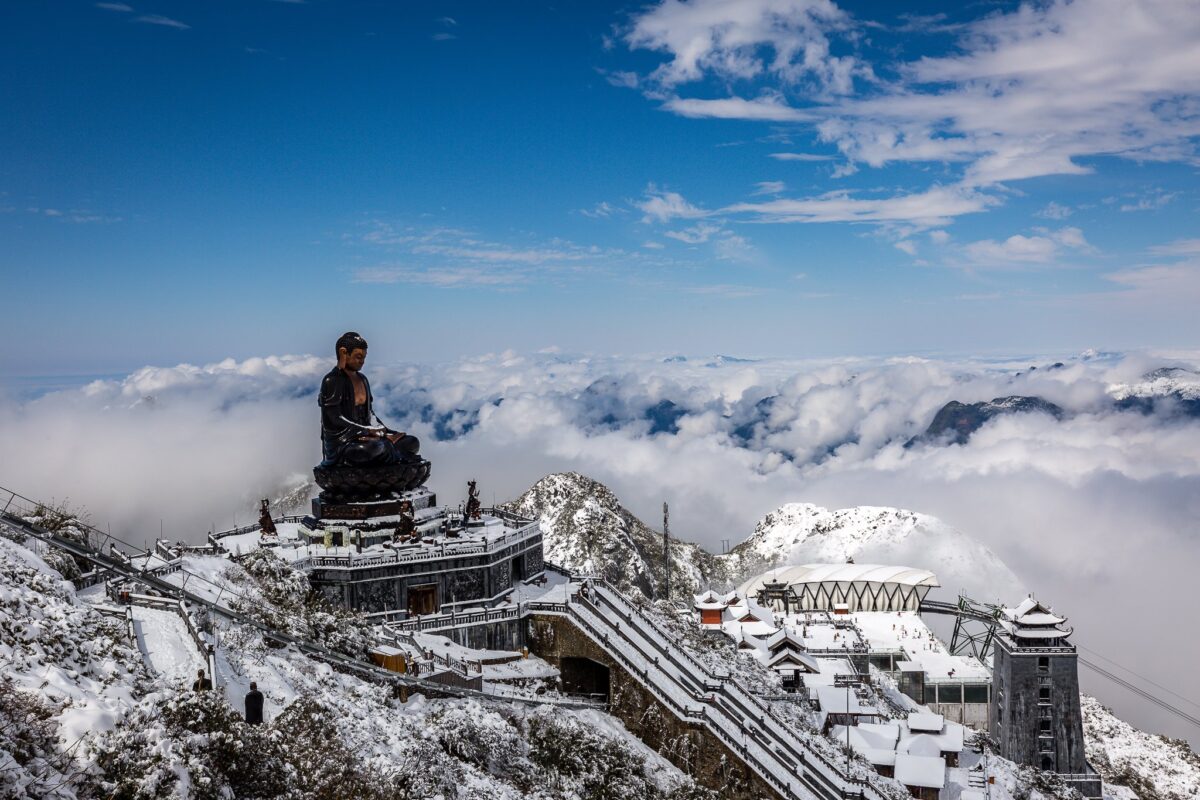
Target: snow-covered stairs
<point>717,701</point>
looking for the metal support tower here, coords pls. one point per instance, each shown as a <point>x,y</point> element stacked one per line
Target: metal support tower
<point>974,628</point>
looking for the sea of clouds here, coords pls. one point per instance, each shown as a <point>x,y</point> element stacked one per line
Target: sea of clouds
<point>1098,513</point>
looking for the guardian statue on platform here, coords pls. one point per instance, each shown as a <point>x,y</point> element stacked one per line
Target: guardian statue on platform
<point>361,456</point>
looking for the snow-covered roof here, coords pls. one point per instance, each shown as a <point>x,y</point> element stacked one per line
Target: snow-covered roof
<point>1032,612</point>
<point>876,742</point>
<point>950,740</point>
<point>925,771</point>
<point>750,608</point>
<point>707,597</point>
<point>922,745</point>
<point>1039,633</point>
<point>841,573</point>
<point>785,659</point>
<point>785,638</point>
<point>925,722</point>
<point>836,700</point>
<point>736,629</point>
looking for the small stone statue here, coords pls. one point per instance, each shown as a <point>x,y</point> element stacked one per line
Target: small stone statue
<point>473,506</point>
<point>265,523</point>
<point>407,529</point>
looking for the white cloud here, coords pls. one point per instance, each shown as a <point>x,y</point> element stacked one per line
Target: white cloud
<point>769,187</point>
<point>1054,211</point>
<point>121,7</point>
<point>166,22</point>
<point>800,157</point>
<point>769,108</point>
<point>1151,202</point>
<point>1163,287</point>
<point>906,246</point>
<point>1178,247</point>
<point>730,246</point>
<point>1038,249</point>
<point>933,207</point>
<point>1035,91</point>
<point>494,253</point>
<point>786,39</point>
<point>459,277</point>
<point>601,210</point>
<point>663,206</point>
<point>160,444</point>
<point>729,290</point>
<point>697,234</point>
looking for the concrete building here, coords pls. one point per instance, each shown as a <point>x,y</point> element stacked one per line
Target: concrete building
<point>1036,718</point>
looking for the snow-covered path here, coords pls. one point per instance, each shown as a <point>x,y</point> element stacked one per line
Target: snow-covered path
<point>163,638</point>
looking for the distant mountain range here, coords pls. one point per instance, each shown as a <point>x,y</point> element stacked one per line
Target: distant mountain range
<point>955,422</point>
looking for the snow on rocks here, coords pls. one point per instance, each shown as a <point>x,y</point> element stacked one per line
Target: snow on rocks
<point>1150,766</point>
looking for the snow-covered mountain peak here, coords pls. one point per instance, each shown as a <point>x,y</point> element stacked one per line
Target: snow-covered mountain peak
<point>803,533</point>
<point>833,535</point>
<point>586,529</point>
<point>1163,382</point>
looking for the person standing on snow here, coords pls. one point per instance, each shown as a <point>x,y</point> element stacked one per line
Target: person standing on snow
<point>254,705</point>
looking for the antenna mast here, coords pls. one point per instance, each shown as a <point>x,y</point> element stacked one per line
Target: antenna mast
<point>666,552</point>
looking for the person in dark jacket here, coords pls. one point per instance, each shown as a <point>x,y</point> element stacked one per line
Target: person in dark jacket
<point>348,430</point>
<point>201,684</point>
<point>254,705</point>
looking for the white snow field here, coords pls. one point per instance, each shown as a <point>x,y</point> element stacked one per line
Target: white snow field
<point>163,639</point>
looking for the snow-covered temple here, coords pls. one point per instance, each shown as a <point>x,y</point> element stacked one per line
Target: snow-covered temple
<point>426,562</point>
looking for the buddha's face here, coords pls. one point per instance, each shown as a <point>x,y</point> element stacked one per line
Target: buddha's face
<point>355,359</point>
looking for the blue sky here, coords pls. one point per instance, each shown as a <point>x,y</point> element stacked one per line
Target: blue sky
<point>187,181</point>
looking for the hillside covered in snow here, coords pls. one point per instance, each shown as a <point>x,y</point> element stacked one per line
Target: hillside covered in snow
<point>84,715</point>
<point>586,529</point>
<point>1150,767</point>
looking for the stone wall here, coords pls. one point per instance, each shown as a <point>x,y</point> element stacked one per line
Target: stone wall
<point>687,745</point>
<point>460,580</point>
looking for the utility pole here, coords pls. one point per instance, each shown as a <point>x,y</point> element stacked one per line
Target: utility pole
<point>666,552</point>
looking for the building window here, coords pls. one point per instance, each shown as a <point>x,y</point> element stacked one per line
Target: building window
<point>949,693</point>
<point>1043,664</point>
<point>1043,694</point>
<point>975,694</point>
<point>1044,726</point>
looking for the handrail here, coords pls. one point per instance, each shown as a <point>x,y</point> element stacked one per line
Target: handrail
<point>723,723</point>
